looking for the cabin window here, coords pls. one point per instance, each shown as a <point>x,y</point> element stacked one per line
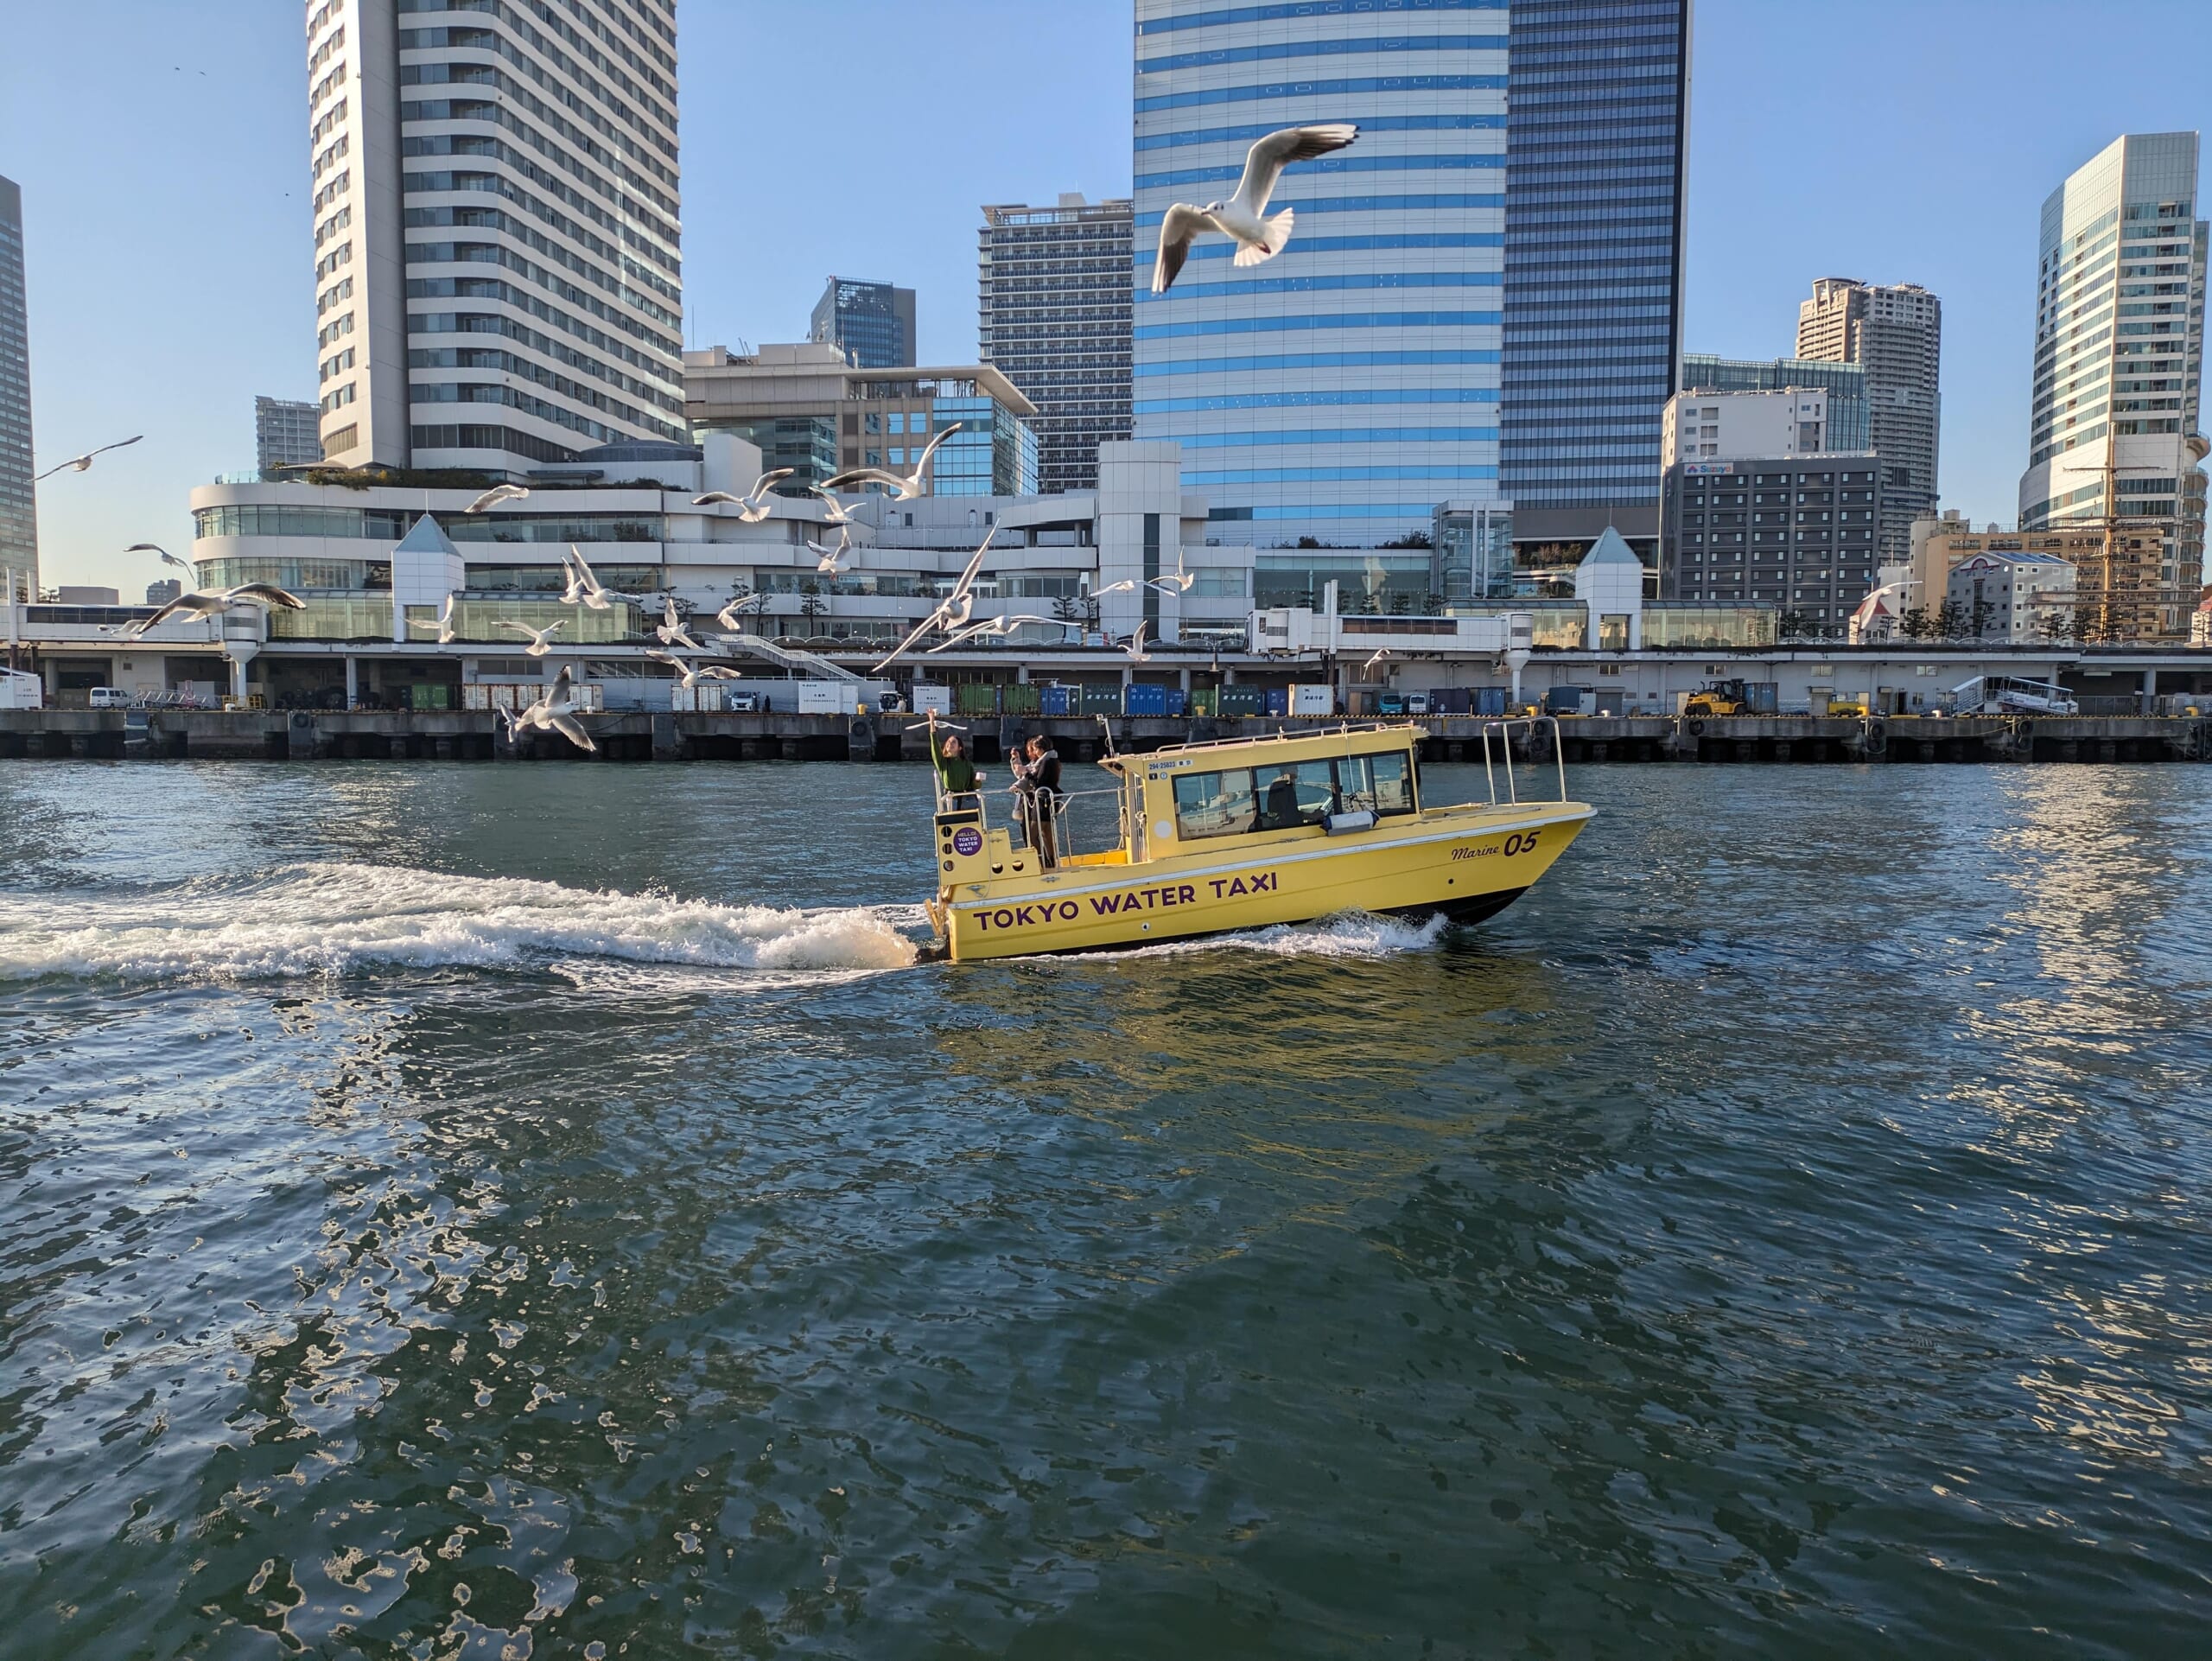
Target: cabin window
<point>1242,800</point>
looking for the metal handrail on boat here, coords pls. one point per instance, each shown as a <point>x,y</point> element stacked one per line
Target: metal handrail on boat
<point>1503,727</point>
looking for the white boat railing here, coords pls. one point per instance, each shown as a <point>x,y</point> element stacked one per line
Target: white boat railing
<point>1504,727</point>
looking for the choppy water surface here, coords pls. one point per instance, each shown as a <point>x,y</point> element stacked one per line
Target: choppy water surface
<point>528,1211</point>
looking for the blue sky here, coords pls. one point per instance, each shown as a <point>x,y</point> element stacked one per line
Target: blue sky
<point>170,268</point>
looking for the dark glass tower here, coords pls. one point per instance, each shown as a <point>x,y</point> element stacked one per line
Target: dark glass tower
<point>873,320</point>
<point>1597,113</point>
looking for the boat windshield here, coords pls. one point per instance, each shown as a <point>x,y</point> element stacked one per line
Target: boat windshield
<point>1236,801</point>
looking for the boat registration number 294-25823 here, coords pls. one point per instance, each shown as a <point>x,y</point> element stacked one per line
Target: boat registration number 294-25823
<point>1519,842</point>
<point>1157,898</point>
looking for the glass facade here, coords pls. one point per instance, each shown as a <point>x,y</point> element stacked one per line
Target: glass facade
<point>1593,248</point>
<point>18,506</point>
<point>875,321</point>
<point>807,444</point>
<point>994,453</point>
<point>1387,297</point>
<point>1844,383</point>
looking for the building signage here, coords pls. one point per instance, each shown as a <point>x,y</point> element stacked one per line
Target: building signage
<point>1694,468</point>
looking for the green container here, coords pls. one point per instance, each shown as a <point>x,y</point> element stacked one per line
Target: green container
<point>426,696</point>
<point>1244,700</point>
<point>976,698</point>
<point>1205,701</point>
<point>1102,699</point>
<point>1019,699</point>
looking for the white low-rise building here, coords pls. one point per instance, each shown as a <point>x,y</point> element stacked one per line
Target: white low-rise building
<point>2016,596</point>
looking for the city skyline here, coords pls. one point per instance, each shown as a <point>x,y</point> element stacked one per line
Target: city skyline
<point>101,199</point>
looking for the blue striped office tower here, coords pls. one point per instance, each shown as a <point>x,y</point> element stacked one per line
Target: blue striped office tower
<point>1343,389</point>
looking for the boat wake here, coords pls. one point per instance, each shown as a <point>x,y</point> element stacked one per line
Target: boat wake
<point>1349,934</point>
<point>332,919</point>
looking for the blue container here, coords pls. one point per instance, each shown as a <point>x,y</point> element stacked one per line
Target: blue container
<point>1056,701</point>
<point>1179,701</point>
<point>1490,700</point>
<point>1278,701</point>
<point>1138,699</point>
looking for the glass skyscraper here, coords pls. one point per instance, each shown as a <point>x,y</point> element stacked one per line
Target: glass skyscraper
<point>1848,424</point>
<point>875,321</point>
<point>1343,389</point>
<point>18,500</point>
<point>1600,96</point>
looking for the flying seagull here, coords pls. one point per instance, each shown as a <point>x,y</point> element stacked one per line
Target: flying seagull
<point>753,506</point>
<point>1376,661</point>
<point>728,616</point>
<point>839,515</point>
<point>693,674</point>
<point>1136,645</point>
<point>445,622</point>
<point>582,585</point>
<point>1000,626</point>
<point>670,630</point>
<point>1126,585</point>
<point>1177,582</point>
<point>829,558</point>
<point>952,612</point>
<point>80,463</point>
<point>547,715</point>
<point>1240,218</point>
<point>903,487</point>
<point>213,603</point>
<point>491,498</point>
<point>541,640</point>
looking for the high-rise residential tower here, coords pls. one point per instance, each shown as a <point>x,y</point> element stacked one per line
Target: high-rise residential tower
<point>1345,387</point>
<point>1053,299</point>
<point>18,501</point>
<point>1896,334</point>
<point>1596,154</point>
<point>2118,360</point>
<point>875,321</point>
<point>496,230</point>
<point>284,433</point>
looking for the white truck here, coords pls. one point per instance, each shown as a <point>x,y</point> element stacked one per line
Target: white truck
<point>21,691</point>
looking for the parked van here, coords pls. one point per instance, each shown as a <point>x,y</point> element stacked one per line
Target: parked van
<point>110,697</point>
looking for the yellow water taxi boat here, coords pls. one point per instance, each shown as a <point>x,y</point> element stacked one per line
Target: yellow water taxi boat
<point>1247,833</point>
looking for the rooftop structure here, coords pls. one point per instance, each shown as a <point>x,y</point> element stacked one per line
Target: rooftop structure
<point>1844,383</point>
<point>1705,426</point>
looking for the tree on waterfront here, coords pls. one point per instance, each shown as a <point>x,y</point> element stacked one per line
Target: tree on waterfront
<point>1914,625</point>
<point>1950,620</point>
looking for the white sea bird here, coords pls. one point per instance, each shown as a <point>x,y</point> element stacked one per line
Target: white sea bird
<point>79,463</point>
<point>541,640</point>
<point>550,714</point>
<point>694,673</point>
<point>1241,218</point>
<point>1126,585</point>
<point>952,612</point>
<point>903,486</point>
<point>839,514</point>
<point>1135,645</point>
<point>445,622</point>
<point>753,506</point>
<point>213,603</point>
<point>583,585</point>
<point>491,498</point>
<point>1382,655</point>
<point>832,562</point>
<point>1177,582</point>
<point>1000,626</point>
<point>670,629</point>
<point>728,616</point>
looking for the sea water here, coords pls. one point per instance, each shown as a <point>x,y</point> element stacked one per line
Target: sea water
<point>534,1210</point>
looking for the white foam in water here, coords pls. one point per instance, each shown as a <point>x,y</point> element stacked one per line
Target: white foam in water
<point>337,918</point>
<point>1350,934</point>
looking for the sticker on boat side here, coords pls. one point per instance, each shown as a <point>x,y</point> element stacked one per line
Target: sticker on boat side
<point>1001,919</point>
<point>968,841</point>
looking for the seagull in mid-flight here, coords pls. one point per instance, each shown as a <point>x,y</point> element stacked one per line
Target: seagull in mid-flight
<point>445,622</point>
<point>731,616</point>
<point>583,587</point>
<point>952,612</point>
<point>832,562</point>
<point>79,463</point>
<point>903,486</point>
<point>753,506</point>
<point>491,498</point>
<point>213,603</point>
<point>1242,217</point>
<point>670,629</point>
<point>839,514</point>
<point>541,640</point>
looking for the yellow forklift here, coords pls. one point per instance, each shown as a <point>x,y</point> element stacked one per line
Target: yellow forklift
<point>1720,698</point>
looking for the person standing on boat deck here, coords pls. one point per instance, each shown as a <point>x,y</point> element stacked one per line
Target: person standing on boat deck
<point>1282,801</point>
<point>956,774</point>
<point>1045,787</point>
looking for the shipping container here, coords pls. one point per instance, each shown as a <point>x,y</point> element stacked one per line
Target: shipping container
<point>1138,699</point>
<point>976,698</point>
<point>827,697</point>
<point>1019,699</point>
<point>932,699</point>
<point>1569,700</point>
<point>1241,699</point>
<point>1179,701</point>
<point>1490,701</point>
<point>1205,700</point>
<point>476,696</point>
<point>1057,700</point>
<point>1278,702</point>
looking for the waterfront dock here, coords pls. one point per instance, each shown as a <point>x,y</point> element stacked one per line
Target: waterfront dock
<point>655,736</point>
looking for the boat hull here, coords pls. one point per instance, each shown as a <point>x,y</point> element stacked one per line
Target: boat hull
<point>1466,864</point>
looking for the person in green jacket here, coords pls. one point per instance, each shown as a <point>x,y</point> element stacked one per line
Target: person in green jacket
<point>956,774</point>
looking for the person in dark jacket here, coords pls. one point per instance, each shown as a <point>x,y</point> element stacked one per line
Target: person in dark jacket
<point>1044,775</point>
<point>1283,802</point>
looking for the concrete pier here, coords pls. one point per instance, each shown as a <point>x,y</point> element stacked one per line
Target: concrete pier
<point>642,736</point>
